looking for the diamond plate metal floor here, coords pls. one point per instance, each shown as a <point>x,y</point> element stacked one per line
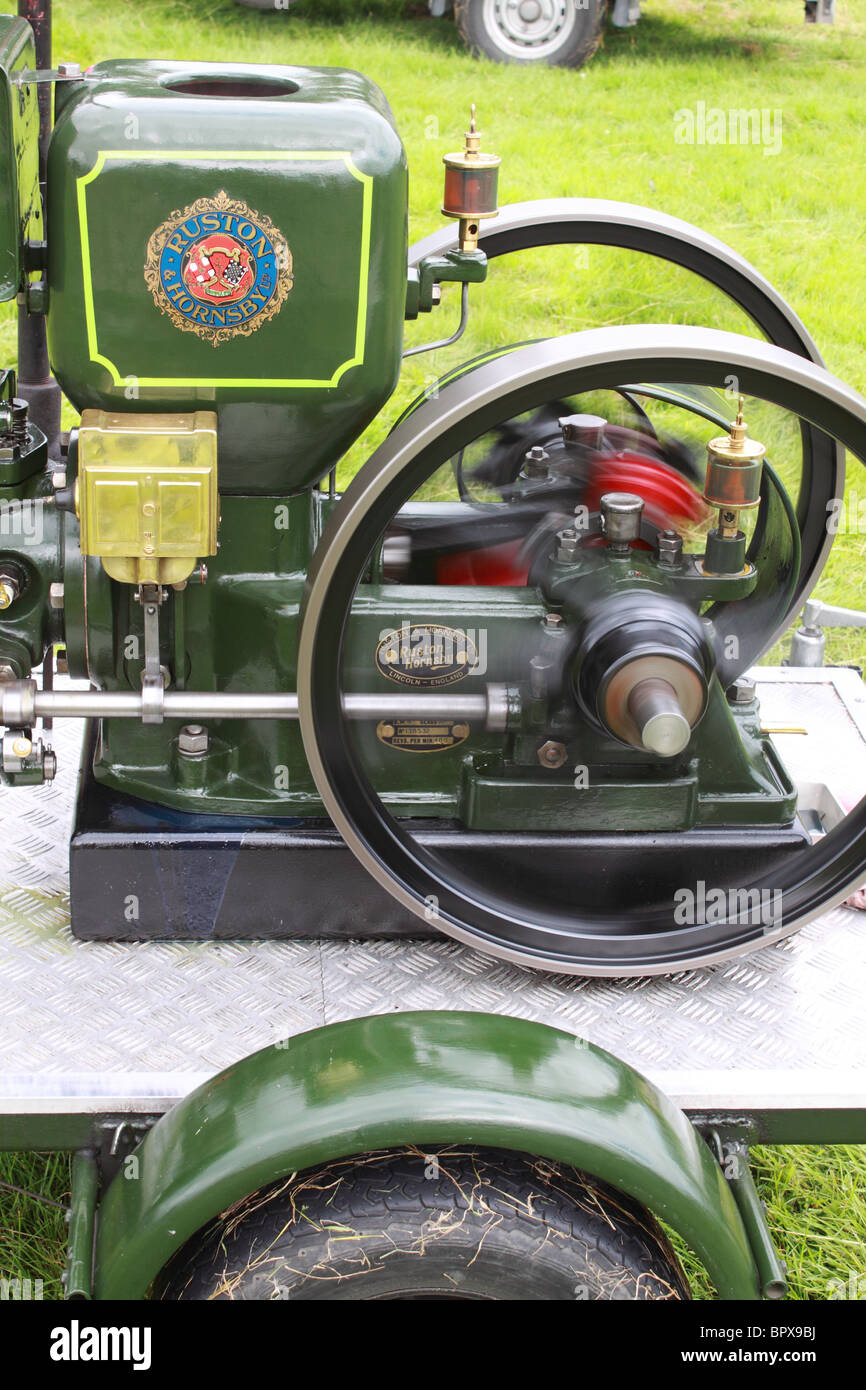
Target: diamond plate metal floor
<point>140,1025</point>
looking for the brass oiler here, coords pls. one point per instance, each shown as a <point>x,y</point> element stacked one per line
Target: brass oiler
<point>471,180</point>
<point>733,485</point>
<point>734,467</point>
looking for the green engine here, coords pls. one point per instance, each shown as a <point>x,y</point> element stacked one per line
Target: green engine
<point>508,668</point>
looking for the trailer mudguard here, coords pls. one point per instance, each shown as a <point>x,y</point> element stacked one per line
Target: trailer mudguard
<point>415,1078</point>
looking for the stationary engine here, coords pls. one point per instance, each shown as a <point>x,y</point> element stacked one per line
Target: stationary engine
<point>508,667</point>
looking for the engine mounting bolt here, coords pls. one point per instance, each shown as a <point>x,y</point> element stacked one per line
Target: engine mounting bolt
<point>670,548</point>
<point>536,462</point>
<point>741,692</point>
<point>552,754</point>
<point>56,595</point>
<point>193,741</point>
<point>553,620</point>
<point>9,591</point>
<point>567,544</point>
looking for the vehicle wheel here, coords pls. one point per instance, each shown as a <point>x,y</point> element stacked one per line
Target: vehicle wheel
<point>561,33</point>
<point>444,1224</point>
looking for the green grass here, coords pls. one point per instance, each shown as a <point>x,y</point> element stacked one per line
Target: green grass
<point>32,1234</point>
<point>607,132</point>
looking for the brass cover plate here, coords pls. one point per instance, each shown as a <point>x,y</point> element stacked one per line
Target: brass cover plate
<point>147,492</point>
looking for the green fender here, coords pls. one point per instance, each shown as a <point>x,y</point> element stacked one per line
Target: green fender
<point>425,1079</point>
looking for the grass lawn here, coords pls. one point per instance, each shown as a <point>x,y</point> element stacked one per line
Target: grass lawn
<point>607,131</point>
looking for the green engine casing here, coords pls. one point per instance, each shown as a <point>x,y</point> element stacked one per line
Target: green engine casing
<point>312,152</point>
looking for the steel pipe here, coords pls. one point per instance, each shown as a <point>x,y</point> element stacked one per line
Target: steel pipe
<point>22,702</point>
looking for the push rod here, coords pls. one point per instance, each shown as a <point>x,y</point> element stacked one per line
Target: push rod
<point>22,702</point>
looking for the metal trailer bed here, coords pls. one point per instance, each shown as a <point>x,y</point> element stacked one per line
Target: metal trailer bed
<point>93,1036</point>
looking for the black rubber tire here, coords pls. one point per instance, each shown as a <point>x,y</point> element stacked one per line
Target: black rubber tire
<point>470,1224</point>
<point>485,41</point>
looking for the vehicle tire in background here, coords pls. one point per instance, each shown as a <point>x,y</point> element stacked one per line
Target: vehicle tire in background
<point>561,33</point>
<point>452,1223</point>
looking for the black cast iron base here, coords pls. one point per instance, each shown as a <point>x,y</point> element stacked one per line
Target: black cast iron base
<point>143,873</point>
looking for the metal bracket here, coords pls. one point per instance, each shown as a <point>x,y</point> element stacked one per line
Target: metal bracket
<point>153,677</point>
<point>809,641</point>
<point>64,72</point>
<point>452,266</point>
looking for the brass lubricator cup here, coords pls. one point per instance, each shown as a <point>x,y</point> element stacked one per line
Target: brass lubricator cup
<point>733,484</point>
<point>471,180</point>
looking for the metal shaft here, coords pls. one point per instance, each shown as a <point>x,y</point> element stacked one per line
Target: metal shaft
<point>654,706</point>
<point>21,702</point>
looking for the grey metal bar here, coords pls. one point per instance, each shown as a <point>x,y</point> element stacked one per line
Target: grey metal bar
<point>20,706</point>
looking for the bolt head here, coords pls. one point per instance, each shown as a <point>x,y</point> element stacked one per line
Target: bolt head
<point>567,544</point>
<point>553,620</point>
<point>742,692</point>
<point>536,462</point>
<point>670,548</point>
<point>8,593</point>
<point>56,595</point>
<point>552,754</point>
<point>193,741</point>
<point>58,479</point>
<point>7,672</point>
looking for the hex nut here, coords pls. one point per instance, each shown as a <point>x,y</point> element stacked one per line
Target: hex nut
<point>193,741</point>
<point>567,544</point>
<point>670,548</point>
<point>552,754</point>
<point>536,463</point>
<point>742,692</point>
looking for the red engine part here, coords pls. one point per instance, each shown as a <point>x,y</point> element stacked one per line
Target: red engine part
<point>668,499</point>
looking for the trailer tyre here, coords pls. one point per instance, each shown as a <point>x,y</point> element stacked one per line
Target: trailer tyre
<point>561,33</point>
<point>439,1224</point>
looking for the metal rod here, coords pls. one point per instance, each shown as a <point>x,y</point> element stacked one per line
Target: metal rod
<point>216,704</point>
<point>79,1263</point>
<point>771,1271</point>
<point>460,330</point>
<point>36,385</point>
